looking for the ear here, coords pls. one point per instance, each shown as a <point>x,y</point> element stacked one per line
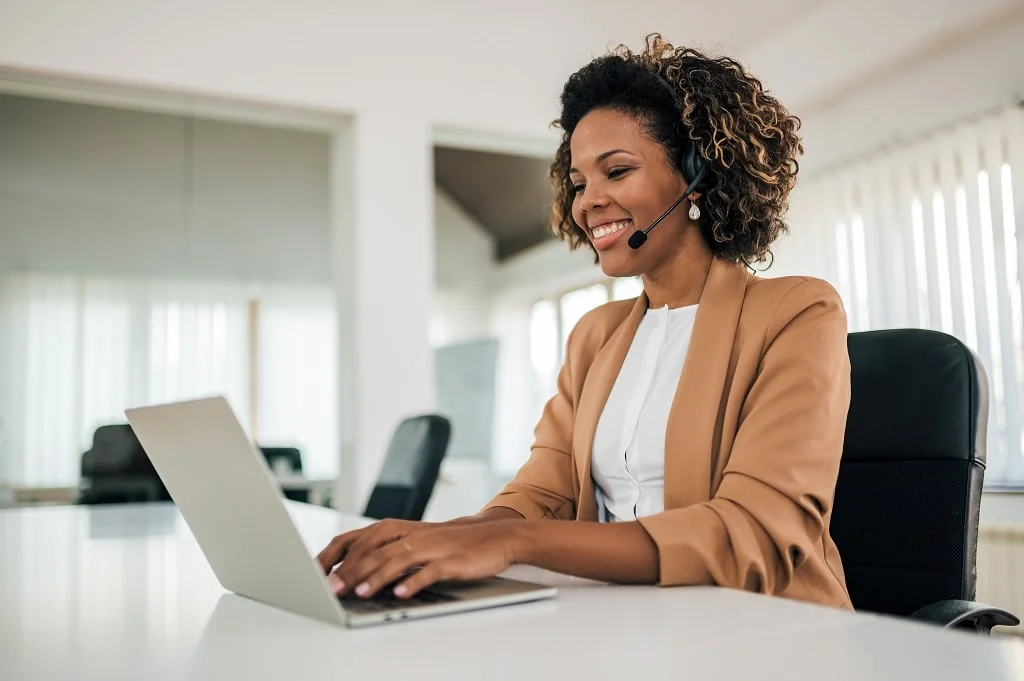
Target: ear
<point>695,195</point>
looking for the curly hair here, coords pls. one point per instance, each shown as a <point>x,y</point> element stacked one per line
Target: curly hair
<point>682,96</point>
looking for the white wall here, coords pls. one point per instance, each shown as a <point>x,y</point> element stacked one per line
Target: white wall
<point>100,190</point>
<point>464,262</point>
<point>421,61</point>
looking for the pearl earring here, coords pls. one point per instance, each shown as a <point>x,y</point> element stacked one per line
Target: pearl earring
<point>694,211</point>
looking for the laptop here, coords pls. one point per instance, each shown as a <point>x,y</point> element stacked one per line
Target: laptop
<point>228,497</point>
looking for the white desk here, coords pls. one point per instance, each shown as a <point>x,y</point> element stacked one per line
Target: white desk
<point>123,593</point>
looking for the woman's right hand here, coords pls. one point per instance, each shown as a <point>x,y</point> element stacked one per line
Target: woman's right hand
<point>357,543</point>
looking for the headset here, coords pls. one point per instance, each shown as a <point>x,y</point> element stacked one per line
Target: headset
<point>690,163</point>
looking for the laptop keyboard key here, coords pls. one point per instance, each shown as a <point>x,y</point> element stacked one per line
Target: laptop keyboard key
<point>385,600</point>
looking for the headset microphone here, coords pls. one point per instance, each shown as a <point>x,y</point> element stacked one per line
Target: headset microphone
<point>639,237</point>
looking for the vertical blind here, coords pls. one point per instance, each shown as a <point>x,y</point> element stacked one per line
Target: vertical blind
<point>926,237</point>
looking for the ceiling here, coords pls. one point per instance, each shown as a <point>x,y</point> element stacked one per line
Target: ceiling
<point>726,25</point>
<point>507,195</point>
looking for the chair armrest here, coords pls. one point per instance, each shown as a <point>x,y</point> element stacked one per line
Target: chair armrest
<point>956,614</point>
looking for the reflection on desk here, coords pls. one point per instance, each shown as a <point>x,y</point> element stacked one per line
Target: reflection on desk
<point>143,604</point>
<point>318,489</point>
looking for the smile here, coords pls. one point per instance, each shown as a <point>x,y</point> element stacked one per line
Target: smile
<point>610,228</point>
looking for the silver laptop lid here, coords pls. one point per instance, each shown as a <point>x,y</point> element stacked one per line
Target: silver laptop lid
<point>225,491</point>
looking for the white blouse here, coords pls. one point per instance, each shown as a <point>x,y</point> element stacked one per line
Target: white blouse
<point>628,459</point>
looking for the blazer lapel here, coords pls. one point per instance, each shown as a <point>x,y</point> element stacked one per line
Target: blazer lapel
<point>598,385</point>
<point>693,418</point>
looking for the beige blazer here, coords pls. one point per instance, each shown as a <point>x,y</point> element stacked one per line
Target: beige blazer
<point>753,441</point>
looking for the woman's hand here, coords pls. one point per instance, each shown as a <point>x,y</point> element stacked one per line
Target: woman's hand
<point>355,544</point>
<point>441,552</point>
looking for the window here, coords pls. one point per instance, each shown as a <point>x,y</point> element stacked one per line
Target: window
<point>544,338</point>
<point>77,351</point>
<point>574,304</point>
<point>629,287</point>
<point>553,319</point>
<point>297,373</point>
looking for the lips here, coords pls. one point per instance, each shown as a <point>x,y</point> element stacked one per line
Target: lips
<point>605,236</point>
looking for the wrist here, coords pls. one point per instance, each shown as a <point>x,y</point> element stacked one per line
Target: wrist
<point>522,540</point>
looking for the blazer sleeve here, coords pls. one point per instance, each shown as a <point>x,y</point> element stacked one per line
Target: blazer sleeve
<point>769,512</point>
<point>544,486</point>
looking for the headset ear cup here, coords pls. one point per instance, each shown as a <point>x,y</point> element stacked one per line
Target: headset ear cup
<point>692,165</point>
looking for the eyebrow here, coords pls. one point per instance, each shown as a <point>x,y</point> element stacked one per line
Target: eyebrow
<point>604,156</point>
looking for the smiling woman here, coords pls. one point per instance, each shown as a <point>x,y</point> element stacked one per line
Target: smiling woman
<point>684,102</point>
<point>696,431</point>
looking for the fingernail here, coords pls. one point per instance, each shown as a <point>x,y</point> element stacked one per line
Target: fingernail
<point>363,589</point>
<point>336,583</point>
<point>400,590</point>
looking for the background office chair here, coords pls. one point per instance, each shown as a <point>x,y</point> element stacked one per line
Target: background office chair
<point>116,469</point>
<point>286,459</point>
<point>907,502</point>
<point>410,469</point>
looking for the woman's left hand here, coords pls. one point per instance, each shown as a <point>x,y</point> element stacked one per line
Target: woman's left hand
<point>460,552</point>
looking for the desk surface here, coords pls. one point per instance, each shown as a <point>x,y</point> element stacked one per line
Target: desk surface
<point>124,593</point>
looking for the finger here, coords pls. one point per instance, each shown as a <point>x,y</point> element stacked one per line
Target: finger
<point>354,572</point>
<point>387,572</point>
<point>429,574</point>
<point>336,549</point>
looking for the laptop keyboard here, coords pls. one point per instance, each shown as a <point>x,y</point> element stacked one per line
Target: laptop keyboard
<point>385,599</point>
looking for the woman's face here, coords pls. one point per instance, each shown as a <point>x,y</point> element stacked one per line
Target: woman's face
<point>623,181</point>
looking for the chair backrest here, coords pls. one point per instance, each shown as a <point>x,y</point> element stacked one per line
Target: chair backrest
<point>283,457</point>
<point>116,469</point>
<point>288,459</point>
<point>908,497</point>
<point>115,451</point>
<point>410,468</point>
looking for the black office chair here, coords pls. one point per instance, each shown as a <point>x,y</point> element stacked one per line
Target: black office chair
<point>116,469</point>
<point>290,458</point>
<point>410,469</point>
<point>908,497</point>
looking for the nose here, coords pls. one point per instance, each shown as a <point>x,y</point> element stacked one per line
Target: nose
<point>592,199</point>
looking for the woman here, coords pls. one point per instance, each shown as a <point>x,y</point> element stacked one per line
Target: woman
<point>646,468</point>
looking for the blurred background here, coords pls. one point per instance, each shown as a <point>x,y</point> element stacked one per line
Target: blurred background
<point>335,214</point>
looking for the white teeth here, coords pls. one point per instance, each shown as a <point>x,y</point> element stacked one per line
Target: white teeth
<point>610,228</point>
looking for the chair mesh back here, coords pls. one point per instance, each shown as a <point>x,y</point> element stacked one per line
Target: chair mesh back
<point>905,517</point>
<point>410,469</point>
<point>286,459</point>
